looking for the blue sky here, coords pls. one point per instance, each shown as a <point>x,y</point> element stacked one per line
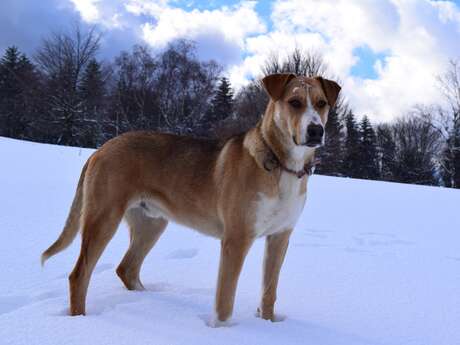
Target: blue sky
<point>364,67</point>
<point>386,54</point>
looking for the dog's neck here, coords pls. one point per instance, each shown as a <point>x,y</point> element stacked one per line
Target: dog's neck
<point>292,156</point>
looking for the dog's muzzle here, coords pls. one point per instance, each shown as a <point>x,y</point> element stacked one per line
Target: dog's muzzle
<point>315,135</point>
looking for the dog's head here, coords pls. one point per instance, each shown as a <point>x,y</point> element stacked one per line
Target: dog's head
<point>301,106</point>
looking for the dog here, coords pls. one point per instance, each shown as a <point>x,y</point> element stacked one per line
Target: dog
<point>249,186</point>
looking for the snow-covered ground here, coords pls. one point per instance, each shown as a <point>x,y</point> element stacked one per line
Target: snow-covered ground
<point>369,263</point>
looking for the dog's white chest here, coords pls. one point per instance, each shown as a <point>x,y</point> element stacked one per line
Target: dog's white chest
<point>281,212</point>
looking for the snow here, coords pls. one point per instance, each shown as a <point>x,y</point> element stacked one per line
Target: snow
<point>368,263</point>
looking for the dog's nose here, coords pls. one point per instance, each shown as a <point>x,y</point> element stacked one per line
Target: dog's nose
<point>315,133</point>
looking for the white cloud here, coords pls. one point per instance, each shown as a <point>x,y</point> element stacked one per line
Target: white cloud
<point>227,28</point>
<point>220,33</point>
<point>417,37</point>
<point>262,47</point>
<point>88,10</point>
<point>111,14</point>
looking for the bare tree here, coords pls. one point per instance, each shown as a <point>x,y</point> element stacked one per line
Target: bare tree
<point>170,91</point>
<point>136,89</point>
<point>62,58</point>
<point>186,87</point>
<point>449,125</point>
<point>298,62</point>
<point>417,146</point>
<point>445,119</point>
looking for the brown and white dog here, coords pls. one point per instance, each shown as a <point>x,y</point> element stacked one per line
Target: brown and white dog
<point>249,186</point>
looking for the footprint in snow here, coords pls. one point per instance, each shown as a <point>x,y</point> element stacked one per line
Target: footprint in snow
<point>356,250</point>
<point>99,269</point>
<point>378,234</point>
<point>311,245</point>
<point>12,303</point>
<point>317,231</point>
<point>183,254</point>
<point>102,268</point>
<point>375,239</point>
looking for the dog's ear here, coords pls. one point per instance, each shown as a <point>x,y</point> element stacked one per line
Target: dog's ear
<point>275,83</point>
<point>331,90</point>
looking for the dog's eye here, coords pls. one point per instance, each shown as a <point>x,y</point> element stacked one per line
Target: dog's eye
<point>295,103</point>
<point>321,103</point>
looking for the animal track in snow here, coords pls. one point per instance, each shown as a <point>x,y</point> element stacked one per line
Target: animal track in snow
<point>183,254</point>
<point>98,269</point>
<point>11,303</point>
<point>102,268</point>
<point>356,250</point>
<point>312,245</point>
<point>316,231</point>
<point>166,287</point>
<point>375,239</point>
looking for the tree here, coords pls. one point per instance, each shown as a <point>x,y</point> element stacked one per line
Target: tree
<point>136,91</point>
<point>448,125</point>
<point>92,95</point>
<point>450,157</point>
<point>62,58</point>
<point>297,62</point>
<point>386,152</point>
<point>18,84</point>
<point>351,164</point>
<point>185,89</point>
<point>222,103</point>
<point>170,91</point>
<point>417,145</point>
<point>331,155</point>
<point>368,167</point>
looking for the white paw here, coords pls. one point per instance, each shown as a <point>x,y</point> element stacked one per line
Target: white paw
<point>214,322</point>
<point>138,286</point>
<point>276,317</point>
<point>279,318</point>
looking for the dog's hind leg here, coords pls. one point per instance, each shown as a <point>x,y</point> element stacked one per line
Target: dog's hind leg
<point>144,233</point>
<point>98,229</point>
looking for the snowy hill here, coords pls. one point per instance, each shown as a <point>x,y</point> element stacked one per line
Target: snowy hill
<point>369,263</point>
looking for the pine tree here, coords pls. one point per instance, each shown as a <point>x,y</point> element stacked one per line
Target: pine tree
<point>331,155</point>
<point>92,86</point>
<point>16,80</point>
<point>222,103</point>
<point>450,157</point>
<point>368,167</point>
<point>10,90</point>
<point>352,142</point>
<point>386,148</point>
<point>92,97</point>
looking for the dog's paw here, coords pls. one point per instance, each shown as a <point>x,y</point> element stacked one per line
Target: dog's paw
<point>214,322</point>
<point>270,316</point>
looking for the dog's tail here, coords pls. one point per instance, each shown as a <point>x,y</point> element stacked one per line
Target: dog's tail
<point>72,224</point>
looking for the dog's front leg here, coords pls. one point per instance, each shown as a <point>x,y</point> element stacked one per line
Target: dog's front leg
<point>232,254</point>
<point>275,251</point>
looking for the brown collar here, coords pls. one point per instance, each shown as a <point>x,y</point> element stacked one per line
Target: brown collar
<point>272,162</point>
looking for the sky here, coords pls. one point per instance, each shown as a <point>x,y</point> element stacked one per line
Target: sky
<point>387,54</point>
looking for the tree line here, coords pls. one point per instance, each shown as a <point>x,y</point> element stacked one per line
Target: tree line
<point>65,95</point>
